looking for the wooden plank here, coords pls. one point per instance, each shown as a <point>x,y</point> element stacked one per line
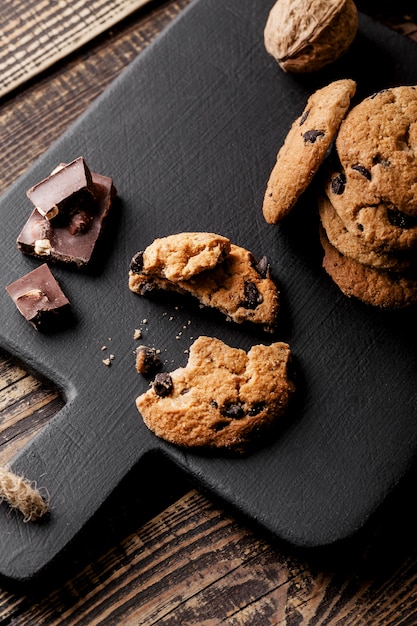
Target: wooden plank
<point>34,34</point>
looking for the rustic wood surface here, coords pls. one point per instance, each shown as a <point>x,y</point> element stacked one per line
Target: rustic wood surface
<point>175,556</point>
<point>34,35</point>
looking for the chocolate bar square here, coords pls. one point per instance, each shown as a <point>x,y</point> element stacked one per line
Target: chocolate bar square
<point>68,187</point>
<point>40,299</point>
<point>71,238</point>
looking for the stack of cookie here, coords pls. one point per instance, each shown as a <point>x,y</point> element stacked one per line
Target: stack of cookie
<point>368,211</point>
<point>368,208</point>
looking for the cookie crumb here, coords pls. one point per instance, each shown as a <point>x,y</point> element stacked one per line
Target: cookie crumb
<point>107,362</point>
<point>147,360</point>
<point>137,334</point>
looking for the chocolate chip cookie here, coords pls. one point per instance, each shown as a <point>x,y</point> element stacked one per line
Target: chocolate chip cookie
<point>353,246</point>
<point>305,147</point>
<point>237,285</point>
<point>381,288</point>
<point>380,226</point>
<point>223,398</point>
<point>376,145</point>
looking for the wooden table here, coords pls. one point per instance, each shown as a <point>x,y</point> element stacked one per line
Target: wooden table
<point>172,556</point>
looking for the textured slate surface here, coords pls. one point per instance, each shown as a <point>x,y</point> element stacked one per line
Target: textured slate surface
<point>190,132</point>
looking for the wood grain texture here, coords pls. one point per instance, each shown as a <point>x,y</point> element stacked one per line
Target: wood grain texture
<point>26,405</point>
<point>35,35</point>
<point>193,563</point>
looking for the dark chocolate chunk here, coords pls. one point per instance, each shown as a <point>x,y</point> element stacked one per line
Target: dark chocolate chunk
<point>256,409</point>
<point>136,264</point>
<point>39,298</point>
<point>400,219</point>
<point>73,238</point>
<point>234,410</point>
<point>162,384</point>
<point>310,136</point>
<point>252,296</point>
<point>220,425</point>
<point>338,183</point>
<point>362,170</point>
<point>147,360</point>
<point>70,186</point>
<point>378,159</point>
<point>304,116</point>
<point>262,267</point>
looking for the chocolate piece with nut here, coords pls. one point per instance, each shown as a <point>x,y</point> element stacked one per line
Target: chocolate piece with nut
<point>40,299</point>
<point>69,187</point>
<point>70,238</point>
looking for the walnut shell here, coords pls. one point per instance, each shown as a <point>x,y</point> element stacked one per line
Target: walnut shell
<point>306,35</point>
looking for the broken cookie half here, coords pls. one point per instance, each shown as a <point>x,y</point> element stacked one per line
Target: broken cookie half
<point>209,267</point>
<point>223,398</point>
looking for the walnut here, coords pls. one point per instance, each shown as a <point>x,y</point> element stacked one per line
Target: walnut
<point>305,35</point>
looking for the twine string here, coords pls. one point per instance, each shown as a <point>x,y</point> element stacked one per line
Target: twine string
<point>22,495</point>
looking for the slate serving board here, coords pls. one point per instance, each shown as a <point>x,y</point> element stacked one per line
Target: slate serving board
<point>190,133</point>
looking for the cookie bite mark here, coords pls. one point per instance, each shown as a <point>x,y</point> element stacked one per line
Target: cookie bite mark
<point>223,398</point>
<point>305,148</point>
<point>238,285</point>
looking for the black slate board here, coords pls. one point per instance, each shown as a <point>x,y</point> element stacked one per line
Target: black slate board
<point>189,133</point>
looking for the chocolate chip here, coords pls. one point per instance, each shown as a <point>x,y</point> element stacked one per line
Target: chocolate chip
<point>362,170</point>
<point>312,135</point>
<point>262,267</point>
<point>400,219</point>
<point>234,410</point>
<point>378,159</point>
<point>162,384</point>
<point>147,360</point>
<point>252,295</point>
<point>360,227</point>
<point>304,116</point>
<point>338,184</point>
<point>214,404</point>
<point>256,409</point>
<point>136,264</point>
